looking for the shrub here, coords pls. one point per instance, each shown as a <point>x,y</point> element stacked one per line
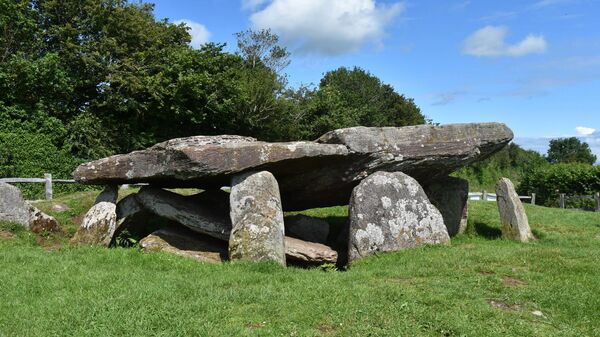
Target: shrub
<point>572,179</point>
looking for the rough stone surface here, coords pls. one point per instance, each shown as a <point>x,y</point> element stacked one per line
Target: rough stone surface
<point>257,219</point>
<point>13,208</point>
<point>40,222</point>
<point>128,206</point>
<point>389,212</point>
<point>449,195</point>
<point>513,218</point>
<point>306,228</point>
<point>109,194</point>
<point>185,243</point>
<point>98,225</point>
<point>333,165</point>
<point>186,211</point>
<point>311,252</point>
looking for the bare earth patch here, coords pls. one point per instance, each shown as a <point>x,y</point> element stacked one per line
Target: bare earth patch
<point>497,304</point>
<point>6,235</point>
<point>512,282</point>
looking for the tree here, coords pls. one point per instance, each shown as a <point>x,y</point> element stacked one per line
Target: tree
<point>570,150</point>
<point>351,97</point>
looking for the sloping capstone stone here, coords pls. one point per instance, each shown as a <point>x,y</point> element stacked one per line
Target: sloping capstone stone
<point>306,228</point>
<point>513,218</point>
<point>185,243</point>
<point>389,212</point>
<point>128,206</point>
<point>210,220</point>
<point>15,209</point>
<point>98,225</point>
<point>257,219</point>
<point>449,195</point>
<point>334,164</point>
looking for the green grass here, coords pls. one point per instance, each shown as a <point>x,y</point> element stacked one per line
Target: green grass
<point>479,286</point>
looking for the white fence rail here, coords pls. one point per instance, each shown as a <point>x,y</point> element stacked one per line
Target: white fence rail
<point>485,196</point>
<point>47,181</point>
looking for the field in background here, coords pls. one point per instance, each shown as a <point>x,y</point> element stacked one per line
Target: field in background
<point>481,285</point>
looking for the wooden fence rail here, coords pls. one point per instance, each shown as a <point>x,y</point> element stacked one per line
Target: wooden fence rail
<point>47,181</point>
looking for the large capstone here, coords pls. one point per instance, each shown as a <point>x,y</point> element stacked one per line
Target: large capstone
<point>513,218</point>
<point>257,219</point>
<point>449,195</point>
<point>310,174</point>
<point>389,212</point>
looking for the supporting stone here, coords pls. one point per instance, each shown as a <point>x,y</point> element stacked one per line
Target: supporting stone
<point>257,219</point>
<point>515,224</point>
<point>98,225</point>
<point>449,195</point>
<point>390,212</point>
<point>109,194</point>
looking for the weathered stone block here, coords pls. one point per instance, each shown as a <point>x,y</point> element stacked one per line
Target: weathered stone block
<point>513,218</point>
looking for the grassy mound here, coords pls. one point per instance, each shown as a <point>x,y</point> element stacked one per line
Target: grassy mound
<point>482,285</point>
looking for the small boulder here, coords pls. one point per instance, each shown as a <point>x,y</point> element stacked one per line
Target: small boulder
<point>449,195</point>
<point>390,212</point>
<point>98,225</point>
<point>40,222</point>
<point>515,225</point>
<point>257,219</point>
<point>13,208</point>
<point>306,228</point>
<point>184,242</point>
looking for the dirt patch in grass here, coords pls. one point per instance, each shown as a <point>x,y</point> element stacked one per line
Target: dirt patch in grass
<point>327,329</point>
<point>255,326</point>
<point>497,304</point>
<point>6,235</point>
<point>512,282</point>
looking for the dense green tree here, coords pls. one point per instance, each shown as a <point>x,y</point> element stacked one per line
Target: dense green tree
<point>570,150</point>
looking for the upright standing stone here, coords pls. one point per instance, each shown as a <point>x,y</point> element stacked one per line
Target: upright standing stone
<point>389,212</point>
<point>449,195</point>
<point>13,208</point>
<point>515,224</point>
<point>110,193</point>
<point>257,219</point>
<point>98,225</point>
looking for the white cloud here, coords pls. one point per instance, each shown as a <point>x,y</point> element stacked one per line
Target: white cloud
<point>445,98</point>
<point>329,27</point>
<point>200,35</point>
<point>548,3</point>
<point>491,41</point>
<point>584,131</point>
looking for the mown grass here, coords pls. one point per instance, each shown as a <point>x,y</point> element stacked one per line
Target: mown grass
<point>481,285</point>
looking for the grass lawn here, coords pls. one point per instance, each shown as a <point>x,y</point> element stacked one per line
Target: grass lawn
<point>479,286</point>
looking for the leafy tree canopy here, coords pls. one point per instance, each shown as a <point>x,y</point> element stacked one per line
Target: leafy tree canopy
<point>570,150</point>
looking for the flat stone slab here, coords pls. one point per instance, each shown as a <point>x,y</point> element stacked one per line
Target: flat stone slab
<point>310,174</point>
<point>185,243</point>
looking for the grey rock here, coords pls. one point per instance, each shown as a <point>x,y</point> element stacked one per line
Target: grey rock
<point>310,252</point>
<point>128,206</point>
<point>390,212</point>
<point>206,219</point>
<point>184,210</point>
<point>185,243</point>
<point>109,194</point>
<point>306,228</point>
<point>257,219</point>
<point>98,226</point>
<point>13,208</point>
<point>60,207</point>
<point>334,164</point>
<point>513,218</point>
<point>449,195</point>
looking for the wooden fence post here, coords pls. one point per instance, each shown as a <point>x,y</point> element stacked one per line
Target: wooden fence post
<point>533,198</point>
<point>562,200</point>
<point>597,197</point>
<point>48,182</point>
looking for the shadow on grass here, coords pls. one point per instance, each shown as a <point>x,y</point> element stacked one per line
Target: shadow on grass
<point>484,230</point>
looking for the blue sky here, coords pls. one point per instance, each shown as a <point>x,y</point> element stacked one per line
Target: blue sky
<point>534,65</point>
